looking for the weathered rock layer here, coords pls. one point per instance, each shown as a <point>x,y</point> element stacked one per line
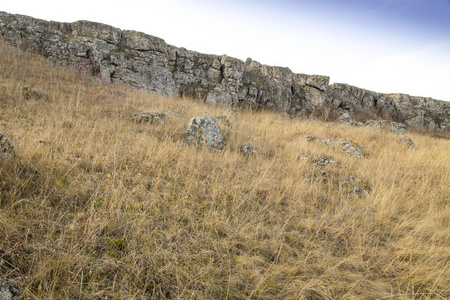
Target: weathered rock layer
<point>144,61</point>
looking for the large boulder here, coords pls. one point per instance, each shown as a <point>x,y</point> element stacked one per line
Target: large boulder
<point>204,130</point>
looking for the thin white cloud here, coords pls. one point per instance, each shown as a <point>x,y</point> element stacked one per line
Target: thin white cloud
<point>421,72</point>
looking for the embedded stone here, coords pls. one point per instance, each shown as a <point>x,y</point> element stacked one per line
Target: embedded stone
<point>222,119</point>
<point>407,140</point>
<point>248,149</point>
<point>9,278</point>
<point>151,118</point>
<point>352,148</point>
<point>6,148</point>
<point>322,161</point>
<point>204,130</point>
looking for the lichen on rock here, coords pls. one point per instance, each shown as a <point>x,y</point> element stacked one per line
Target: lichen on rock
<point>204,130</point>
<point>350,147</point>
<point>150,117</point>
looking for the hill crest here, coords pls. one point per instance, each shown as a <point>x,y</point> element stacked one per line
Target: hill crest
<point>143,61</point>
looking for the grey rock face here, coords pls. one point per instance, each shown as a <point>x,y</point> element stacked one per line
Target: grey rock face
<point>350,98</point>
<point>204,130</point>
<point>277,87</point>
<point>147,62</point>
<point>413,111</point>
<point>394,127</point>
<point>346,119</point>
<point>398,128</point>
<point>6,148</point>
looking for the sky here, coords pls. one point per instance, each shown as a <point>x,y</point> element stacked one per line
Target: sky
<point>388,46</point>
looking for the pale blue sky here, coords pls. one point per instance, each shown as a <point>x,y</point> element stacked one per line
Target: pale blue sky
<point>381,45</point>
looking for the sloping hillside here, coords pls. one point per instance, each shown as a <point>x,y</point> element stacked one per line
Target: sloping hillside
<point>94,205</point>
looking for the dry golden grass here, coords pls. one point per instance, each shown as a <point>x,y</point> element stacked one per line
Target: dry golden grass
<point>96,206</point>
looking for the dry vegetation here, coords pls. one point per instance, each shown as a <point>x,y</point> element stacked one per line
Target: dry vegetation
<point>96,206</point>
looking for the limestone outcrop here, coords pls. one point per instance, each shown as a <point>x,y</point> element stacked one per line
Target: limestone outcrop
<point>128,57</point>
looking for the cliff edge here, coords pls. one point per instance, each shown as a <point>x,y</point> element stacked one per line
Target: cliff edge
<point>148,62</point>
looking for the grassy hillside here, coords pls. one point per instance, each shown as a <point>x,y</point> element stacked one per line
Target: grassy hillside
<point>96,206</point>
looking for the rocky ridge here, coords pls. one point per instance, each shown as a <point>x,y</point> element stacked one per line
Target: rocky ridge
<point>128,57</point>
